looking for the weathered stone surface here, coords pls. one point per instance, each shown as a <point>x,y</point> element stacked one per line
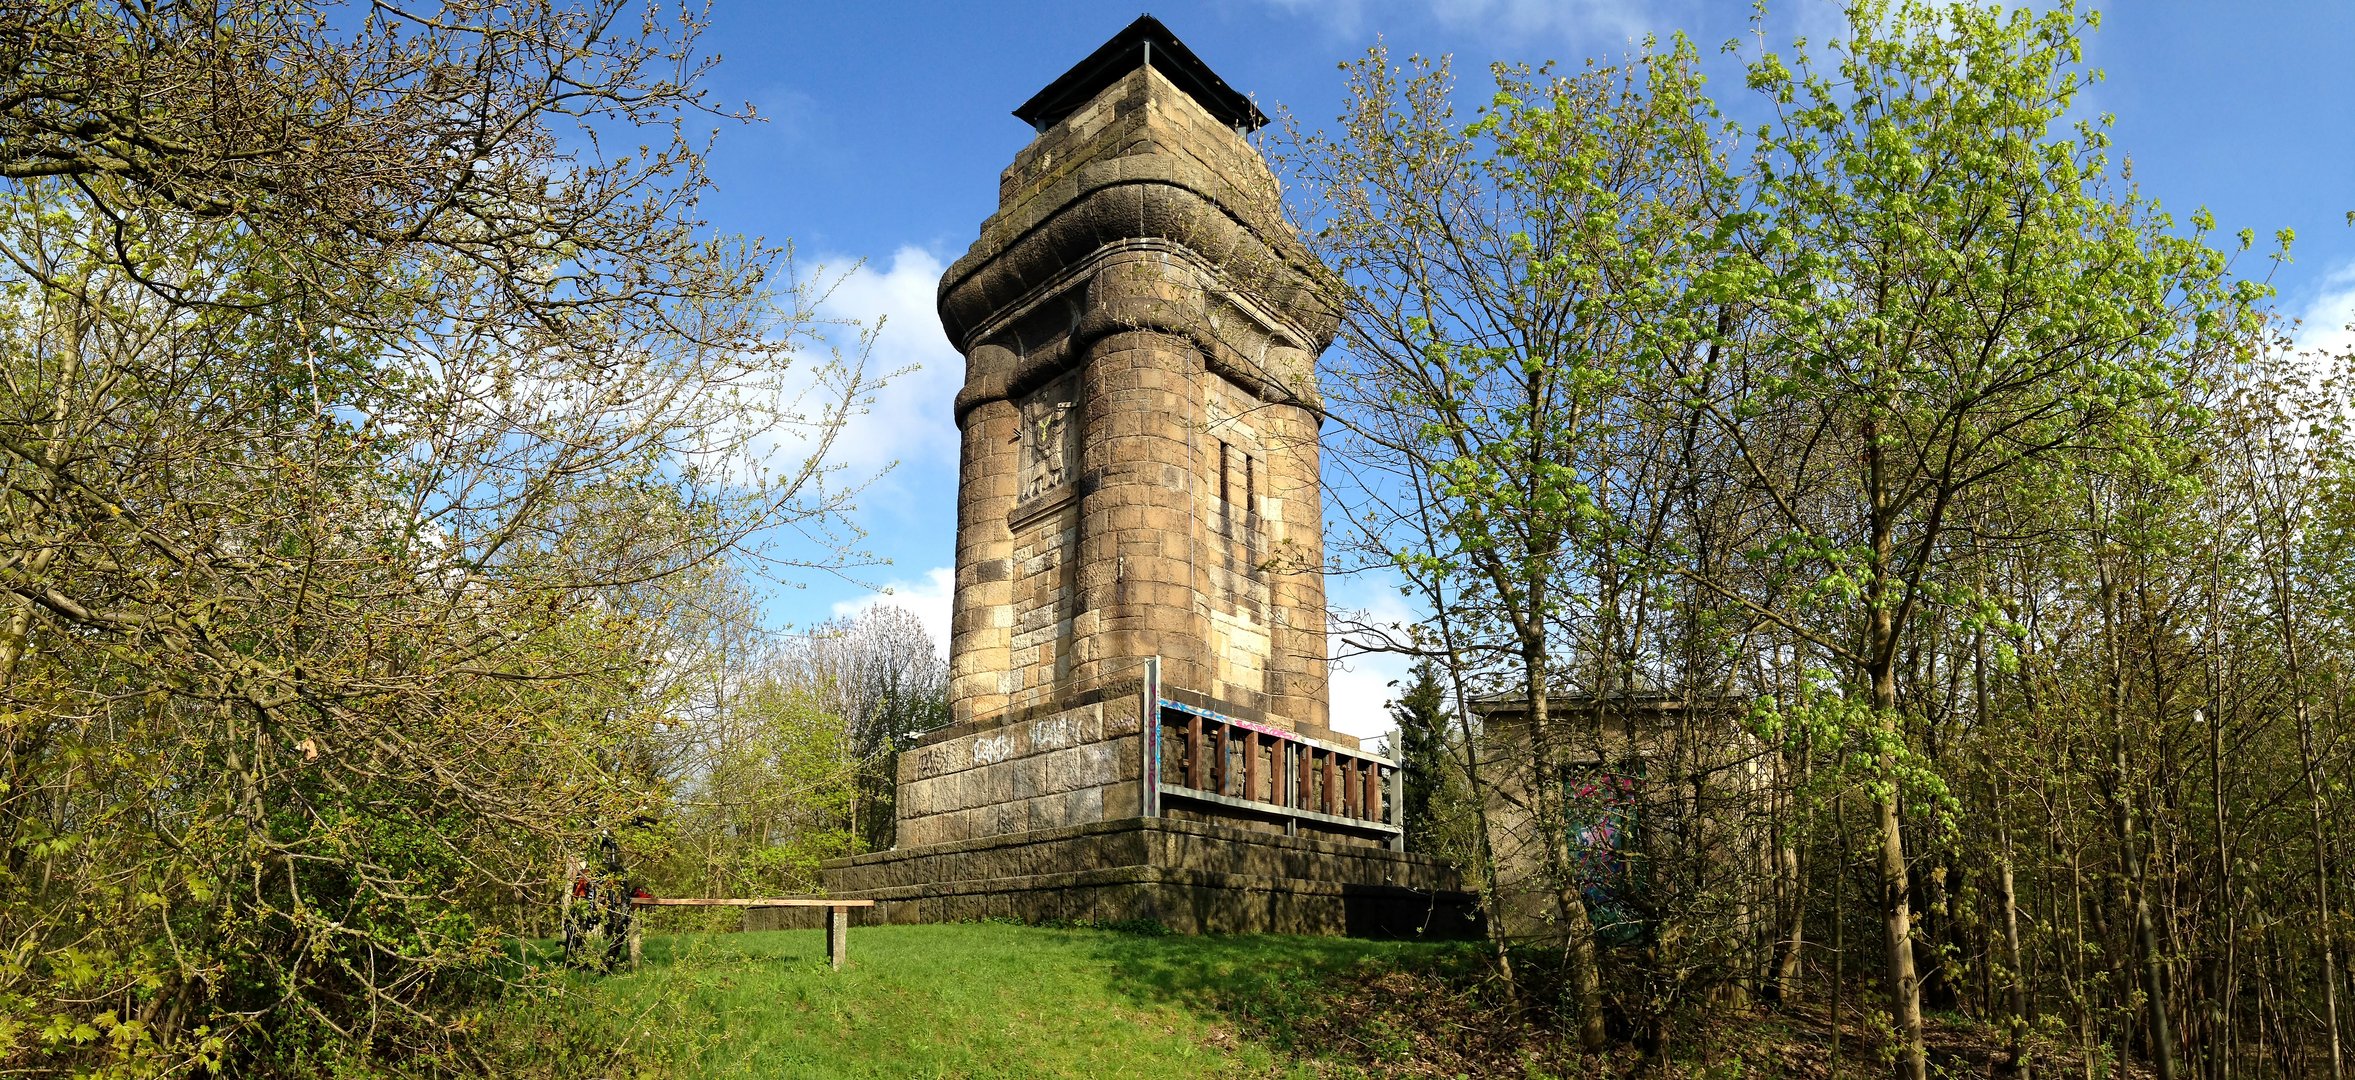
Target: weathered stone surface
<point>1139,478</point>
<point>1139,420</point>
<point>1192,877</point>
<point>1044,772</point>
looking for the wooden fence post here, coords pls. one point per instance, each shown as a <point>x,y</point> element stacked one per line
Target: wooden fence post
<point>1194,762</point>
<point>837,936</point>
<point>1251,766</point>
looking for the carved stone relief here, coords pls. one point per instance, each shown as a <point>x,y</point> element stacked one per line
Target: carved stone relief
<point>1050,439</point>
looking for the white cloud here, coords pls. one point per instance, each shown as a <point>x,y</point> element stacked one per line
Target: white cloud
<point>2323,322</point>
<point>928,599</point>
<point>1362,693</point>
<point>907,421</point>
<point>1361,690</point>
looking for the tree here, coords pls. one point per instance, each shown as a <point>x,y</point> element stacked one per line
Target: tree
<point>888,682</point>
<point>1498,274</point>
<point>365,430</point>
<point>2299,503</point>
<point>758,779</point>
<point>1813,436</point>
<point>1426,765</point>
<point>1932,295</point>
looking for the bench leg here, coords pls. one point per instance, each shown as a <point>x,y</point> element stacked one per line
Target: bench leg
<point>837,936</point>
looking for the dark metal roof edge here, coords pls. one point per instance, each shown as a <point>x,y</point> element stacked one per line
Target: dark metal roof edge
<point>1141,42</point>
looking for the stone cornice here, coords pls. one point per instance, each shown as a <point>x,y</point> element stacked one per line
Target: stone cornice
<point>1234,330</point>
<point>1140,172</point>
<point>1115,202</point>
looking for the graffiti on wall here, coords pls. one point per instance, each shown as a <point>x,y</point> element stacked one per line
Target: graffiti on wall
<point>1606,850</point>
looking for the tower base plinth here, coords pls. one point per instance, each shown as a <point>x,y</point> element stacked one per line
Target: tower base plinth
<point>1190,877</point>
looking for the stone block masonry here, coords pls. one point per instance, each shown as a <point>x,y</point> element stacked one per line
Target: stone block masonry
<point>1140,537</point>
<point>1192,877</point>
<point>1139,422</point>
<point>1071,767</point>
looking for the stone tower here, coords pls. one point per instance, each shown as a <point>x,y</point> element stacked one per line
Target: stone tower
<point>1137,655</point>
<point>1139,415</point>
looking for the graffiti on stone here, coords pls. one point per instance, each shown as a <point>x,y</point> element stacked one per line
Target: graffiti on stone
<point>993,748</point>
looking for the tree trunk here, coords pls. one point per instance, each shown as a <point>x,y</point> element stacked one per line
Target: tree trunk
<point>2324,936</point>
<point>2144,935</point>
<point>2016,1030</point>
<point>1839,929</point>
<point>1586,979</point>
<point>2007,895</point>
<point>1490,891</point>
<point>2293,659</point>
<point>2220,988</point>
<point>1905,997</point>
<point>1904,983</point>
<point>1788,971</point>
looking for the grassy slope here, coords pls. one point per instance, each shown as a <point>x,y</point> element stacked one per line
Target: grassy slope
<point>970,1000</point>
<point>997,1000</point>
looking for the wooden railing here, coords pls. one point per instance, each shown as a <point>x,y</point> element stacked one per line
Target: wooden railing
<point>1198,755</point>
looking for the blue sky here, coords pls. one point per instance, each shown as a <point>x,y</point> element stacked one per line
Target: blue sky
<point>887,123</point>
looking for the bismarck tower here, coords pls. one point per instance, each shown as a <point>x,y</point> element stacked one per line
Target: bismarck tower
<point>1139,412</point>
<point>1138,683</point>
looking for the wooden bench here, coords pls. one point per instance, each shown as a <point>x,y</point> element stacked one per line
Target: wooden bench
<point>837,918</point>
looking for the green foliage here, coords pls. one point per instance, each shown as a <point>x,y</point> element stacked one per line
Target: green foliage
<point>1952,289</point>
<point>777,747</point>
<point>767,800</point>
<point>1434,797</point>
<point>1503,274</point>
<point>357,483</point>
<point>1877,413</point>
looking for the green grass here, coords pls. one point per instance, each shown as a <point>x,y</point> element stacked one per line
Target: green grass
<point>971,1000</point>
